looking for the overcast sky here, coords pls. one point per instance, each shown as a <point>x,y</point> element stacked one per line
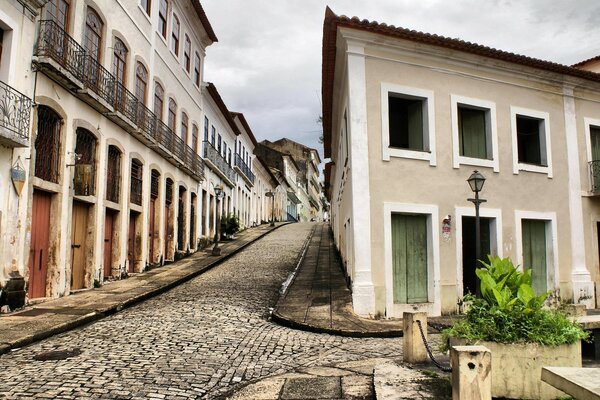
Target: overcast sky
<point>267,63</point>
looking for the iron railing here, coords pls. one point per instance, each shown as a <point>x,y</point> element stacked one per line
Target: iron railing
<point>56,44</point>
<point>211,154</point>
<point>15,111</point>
<point>595,175</point>
<point>244,168</point>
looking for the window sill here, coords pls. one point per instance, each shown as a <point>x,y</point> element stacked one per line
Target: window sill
<point>540,169</point>
<point>477,162</point>
<point>406,153</point>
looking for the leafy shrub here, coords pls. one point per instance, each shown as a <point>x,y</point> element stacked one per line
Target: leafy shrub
<point>509,311</point>
<point>230,224</point>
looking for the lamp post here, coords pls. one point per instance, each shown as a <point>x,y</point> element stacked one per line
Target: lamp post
<point>219,194</point>
<point>271,194</point>
<point>476,181</point>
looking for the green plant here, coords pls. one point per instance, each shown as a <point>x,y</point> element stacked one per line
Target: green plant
<point>509,311</point>
<point>230,224</point>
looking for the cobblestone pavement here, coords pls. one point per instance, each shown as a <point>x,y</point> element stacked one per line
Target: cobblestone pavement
<point>200,339</point>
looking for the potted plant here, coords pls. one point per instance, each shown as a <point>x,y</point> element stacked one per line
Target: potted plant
<point>230,224</point>
<point>523,335</point>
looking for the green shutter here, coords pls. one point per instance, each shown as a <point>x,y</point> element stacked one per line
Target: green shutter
<point>472,136</point>
<point>595,140</point>
<point>415,125</point>
<point>409,257</point>
<point>534,252</point>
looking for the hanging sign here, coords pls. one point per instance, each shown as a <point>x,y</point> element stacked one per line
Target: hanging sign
<point>17,175</point>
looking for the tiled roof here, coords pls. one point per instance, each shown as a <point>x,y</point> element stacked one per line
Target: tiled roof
<point>579,64</point>
<point>214,93</point>
<point>245,125</point>
<point>333,21</point>
<point>204,20</point>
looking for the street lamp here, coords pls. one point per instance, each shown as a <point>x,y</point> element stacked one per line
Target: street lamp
<point>219,194</point>
<point>271,194</point>
<point>476,181</point>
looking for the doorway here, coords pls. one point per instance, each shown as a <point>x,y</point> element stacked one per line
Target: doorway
<point>78,244</point>
<point>109,229</point>
<point>469,260</point>
<point>38,253</point>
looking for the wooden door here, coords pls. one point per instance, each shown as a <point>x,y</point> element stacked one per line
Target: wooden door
<point>131,248</point>
<point>109,222</point>
<point>151,233</point>
<point>535,252</point>
<point>38,253</point>
<point>409,255</point>
<point>78,239</point>
<point>166,240</point>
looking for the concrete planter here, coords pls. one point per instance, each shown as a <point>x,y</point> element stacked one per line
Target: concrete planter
<point>517,368</point>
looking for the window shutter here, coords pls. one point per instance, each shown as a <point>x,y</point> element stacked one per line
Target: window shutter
<point>472,135</point>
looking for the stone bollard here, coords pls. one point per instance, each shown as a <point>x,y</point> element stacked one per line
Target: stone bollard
<point>471,373</point>
<point>414,349</point>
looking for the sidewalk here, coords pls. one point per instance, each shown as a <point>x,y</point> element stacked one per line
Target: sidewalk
<point>54,316</point>
<point>318,299</point>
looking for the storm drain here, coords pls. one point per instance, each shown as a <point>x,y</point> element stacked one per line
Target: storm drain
<point>57,355</point>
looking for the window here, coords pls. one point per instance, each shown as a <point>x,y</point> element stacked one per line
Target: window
<point>47,144</point>
<point>184,127</point>
<point>224,149</point>
<point>84,181</point>
<point>531,141</point>
<point>474,134</point>
<point>141,82</point>
<point>592,138</point>
<point>197,69</point>
<point>229,157</point>
<point>146,6</point>
<point>206,129</point>
<point>113,175</point>
<point>159,95</point>
<point>187,51</point>
<point>57,11</point>
<point>135,192</point>
<point>219,144</point>
<point>195,137</point>
<point>175,35</point>
<point>407,123</point>
<point>171,120</point>
<point>162,17</point>
<point>93,33</point>
<point>212,135</point>
<point>119,60</point>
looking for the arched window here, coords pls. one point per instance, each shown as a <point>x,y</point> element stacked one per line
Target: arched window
<point>113,174</point>
<point>135,192</point>
<point>162,17</point>
<point>175,35</point>
<point>57,11</point>
<point>85,163</point>
<point>172,117</point>
<point>119,60</point>
<point>187,53</point>
<point>195,138</point>
<point>159,95</point>
<point>141,82</point>
<point>93,33</point>
<point>184,127</point>
<point>47,144</point>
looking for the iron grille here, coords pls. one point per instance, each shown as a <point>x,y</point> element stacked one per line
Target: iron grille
<point>595,175</point>
<point>15,111</point>
<point>213,155</point>
<point>113,177</point>
<point>135,194</point>
<point>47,144</point>
<point>169,191</point>
<point>244,168</point>
<point>84,181</point>
<point>154,184</point>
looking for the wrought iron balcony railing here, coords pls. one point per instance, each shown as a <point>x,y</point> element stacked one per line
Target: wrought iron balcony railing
<point>79,70</point>
<point>215,158</point>
<point>241,165</point>
<point>15,112</point>
<point>595,175</point>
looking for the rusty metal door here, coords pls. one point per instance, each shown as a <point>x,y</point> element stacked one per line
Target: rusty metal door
<point>109,222</point>
<point>78,239</point>
<point>131,248</point>
<point>38,253</point>
<point>151,233</point>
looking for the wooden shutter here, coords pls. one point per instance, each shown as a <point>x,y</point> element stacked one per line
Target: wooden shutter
<point>534,252</point>
<point>471,125</point>
<point>409,257</point>
<point>415,125</point>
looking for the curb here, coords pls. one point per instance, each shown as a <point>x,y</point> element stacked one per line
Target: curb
<point>97,315</point>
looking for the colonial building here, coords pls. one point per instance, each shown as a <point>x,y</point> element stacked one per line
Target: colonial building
<point>308,161</point>
<point>243,165</point>
<point>407,118</point>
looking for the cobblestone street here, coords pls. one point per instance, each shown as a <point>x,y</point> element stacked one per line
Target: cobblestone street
<point>201,339</point>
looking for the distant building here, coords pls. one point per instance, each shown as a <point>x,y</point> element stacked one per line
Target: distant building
<point>407,117</point>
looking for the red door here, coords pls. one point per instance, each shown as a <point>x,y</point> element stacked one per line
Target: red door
<point>166,232</point>
<point>131,250</point>
<point>108,243</point>
<point>38,254</point>
<point>151,233</point>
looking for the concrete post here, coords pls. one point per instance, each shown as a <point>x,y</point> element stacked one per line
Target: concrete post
<point>414,348</point>
<point>471,373</point>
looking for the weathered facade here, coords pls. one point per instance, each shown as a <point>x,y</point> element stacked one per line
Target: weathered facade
<point>407,118</point>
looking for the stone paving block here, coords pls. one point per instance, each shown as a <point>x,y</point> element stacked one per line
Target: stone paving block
<point>312,388</point>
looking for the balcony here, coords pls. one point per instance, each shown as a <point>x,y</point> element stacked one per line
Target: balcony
<point>218,164</point>
<point>595,176</point>
<point>244,170</point>
<point>65,61</point>
<point>15,112</point>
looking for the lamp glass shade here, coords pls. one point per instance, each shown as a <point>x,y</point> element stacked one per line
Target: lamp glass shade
<point>476,181</point>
